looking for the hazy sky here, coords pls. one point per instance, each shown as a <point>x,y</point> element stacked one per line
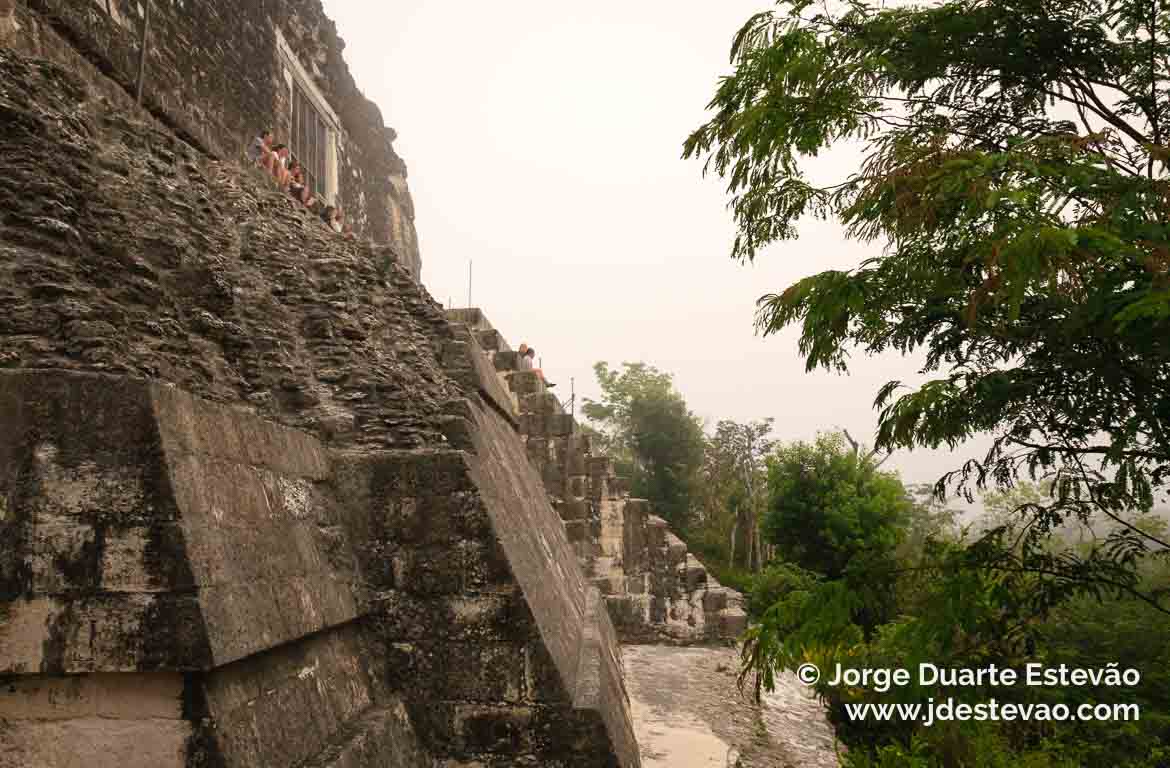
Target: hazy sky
<point>544,141</point>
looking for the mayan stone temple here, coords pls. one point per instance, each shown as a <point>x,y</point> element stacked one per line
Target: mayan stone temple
<point>263,502</point>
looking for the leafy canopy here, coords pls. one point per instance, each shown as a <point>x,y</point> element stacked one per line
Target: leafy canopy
<point>827,505</point>
<point>1015,174</point>
<point>652,435</point>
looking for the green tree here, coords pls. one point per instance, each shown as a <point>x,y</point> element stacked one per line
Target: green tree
<point>1015,172</point>
<point>655,440</point>
<point>733,484</point>
<point>828,504</point>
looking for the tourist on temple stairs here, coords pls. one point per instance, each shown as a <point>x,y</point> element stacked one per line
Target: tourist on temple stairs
<point>297,187</point>
<point>260,151</point>
<point>280,165</point>
<point>530,357</point>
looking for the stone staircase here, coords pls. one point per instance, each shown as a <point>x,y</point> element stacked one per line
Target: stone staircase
<point>655,590</point>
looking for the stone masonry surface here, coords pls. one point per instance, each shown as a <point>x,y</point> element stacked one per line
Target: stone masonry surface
<point>653,589</point>
<point>215,77</point>
<point>125,251</point>
<point>251,511</point>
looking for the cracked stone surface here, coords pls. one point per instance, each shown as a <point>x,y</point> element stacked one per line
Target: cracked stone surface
<point>688,713</point>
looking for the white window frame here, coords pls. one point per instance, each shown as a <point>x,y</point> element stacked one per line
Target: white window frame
<point>295,76</point>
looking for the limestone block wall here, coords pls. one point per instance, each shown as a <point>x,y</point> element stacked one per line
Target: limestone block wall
<point>654,589</point>
<point>214,77</point>
<point>123,250</point>
<point>256,508</point>
<point>176,567</point>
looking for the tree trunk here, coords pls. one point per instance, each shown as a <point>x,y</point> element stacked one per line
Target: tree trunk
<point>734,531</point>
<point>759,546</point>
<point>750,544</point>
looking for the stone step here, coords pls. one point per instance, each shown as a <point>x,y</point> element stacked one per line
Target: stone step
<point>492,341</point>
<point>620,486</point>
<point>656,531</point>
<point>608,585</point>
<point>676,549</point>
<point>506,360</point>
<point>693,576</point>
<point>577,530</point>
<point>732,622</point>
<point>639,507</point>
<point>469,316</point>
<point>544,402</point>
<point>573,509</point>
<point>546,424</point>
<point>367,739</point>
<point>578,486</point>
<point>714,599</point>
<point>600,466</point>
<point>525,383</point>
<point>636,585</point>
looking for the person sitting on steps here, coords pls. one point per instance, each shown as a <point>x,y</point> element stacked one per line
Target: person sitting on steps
<point>297,187</point>
<point>280,166</point>
<point>260,152</point>
<point>530,356</point>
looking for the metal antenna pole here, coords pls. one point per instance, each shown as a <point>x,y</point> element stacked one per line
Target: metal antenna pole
<point>469,283</point>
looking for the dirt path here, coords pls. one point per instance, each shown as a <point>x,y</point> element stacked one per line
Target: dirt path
<point>689,714</point>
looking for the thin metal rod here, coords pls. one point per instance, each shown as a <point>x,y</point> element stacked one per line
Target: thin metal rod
<point>142,48</point>
<point>469,283</point>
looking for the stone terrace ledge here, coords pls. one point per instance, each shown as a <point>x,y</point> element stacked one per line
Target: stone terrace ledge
<point>309,606</point>
<point>653,588</point>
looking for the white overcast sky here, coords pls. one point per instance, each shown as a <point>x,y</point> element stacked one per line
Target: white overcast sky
<point>543,141</point>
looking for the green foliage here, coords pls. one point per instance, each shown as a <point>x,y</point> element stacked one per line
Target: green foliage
<point>827,504</point>
<point>1015,174</point>
<point>1016,171</point>
<point>779,583</point>
<point>652,436</point>
<point>731,493</point>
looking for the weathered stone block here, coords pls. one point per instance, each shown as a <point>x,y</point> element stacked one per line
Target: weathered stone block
<point>506,360</point>
<point>96,742</point>
<point>476,672</point>
<point>656,531</point>
<point>676,550</point>
<point>544,403</point>
<point>492,341</point>
<point>577,509</point>
<point>525,383</point>
<point>426,520</point>
<point>694,577</point>
<point>577,530</point>
<point>732,622</point>
<point>482,728</point>
<point>714,600</point>
<point>561,425</point>
<point>431,571</point>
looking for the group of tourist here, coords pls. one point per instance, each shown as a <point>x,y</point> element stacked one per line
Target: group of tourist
<point>289,175</point>
<point>527,355</point>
